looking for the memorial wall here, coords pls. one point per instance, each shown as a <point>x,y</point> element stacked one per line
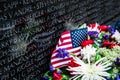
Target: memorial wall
<point>30,29</point>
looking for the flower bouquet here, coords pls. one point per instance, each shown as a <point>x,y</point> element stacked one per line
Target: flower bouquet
<point>96,57</point>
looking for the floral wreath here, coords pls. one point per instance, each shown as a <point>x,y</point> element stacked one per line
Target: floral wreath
<point>99,60</point>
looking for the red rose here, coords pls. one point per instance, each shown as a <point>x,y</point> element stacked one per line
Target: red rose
<point>57,76</point>
<point>92,25</point>
<point>87,42</point>
<point>103,27</point>
<point>72,63</point>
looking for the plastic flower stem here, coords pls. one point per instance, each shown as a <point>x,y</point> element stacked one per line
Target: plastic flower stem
<point>101,34</point>
<point>97,57</point>
<point>96,44</point>
<point>50,78</point>
<point>73,55</point>
<point>65,77</point>
<point>47,73</point>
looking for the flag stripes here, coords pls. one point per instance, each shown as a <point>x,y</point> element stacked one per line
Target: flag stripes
<point>66,41</point>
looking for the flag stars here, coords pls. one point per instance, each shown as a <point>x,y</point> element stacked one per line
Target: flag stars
<point>78,36</point>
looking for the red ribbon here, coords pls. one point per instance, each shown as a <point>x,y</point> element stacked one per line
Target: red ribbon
<point>72,63</point>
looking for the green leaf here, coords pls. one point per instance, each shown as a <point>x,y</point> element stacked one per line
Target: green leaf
<point>65,77</point>
<point>97,57</point>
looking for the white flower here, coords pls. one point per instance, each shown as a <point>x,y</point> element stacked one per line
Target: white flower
<point>88,52</point>
<point>116,35</point>
<point>96,71</point>
<point>94,29</point>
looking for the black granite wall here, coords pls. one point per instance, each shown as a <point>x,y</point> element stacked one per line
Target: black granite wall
<point>30,29</point>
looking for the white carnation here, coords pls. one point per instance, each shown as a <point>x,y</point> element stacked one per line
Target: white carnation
<point>88,52</point>
<point>116,35</point>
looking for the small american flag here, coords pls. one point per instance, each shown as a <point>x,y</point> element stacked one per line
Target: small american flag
<point>71,40</point>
